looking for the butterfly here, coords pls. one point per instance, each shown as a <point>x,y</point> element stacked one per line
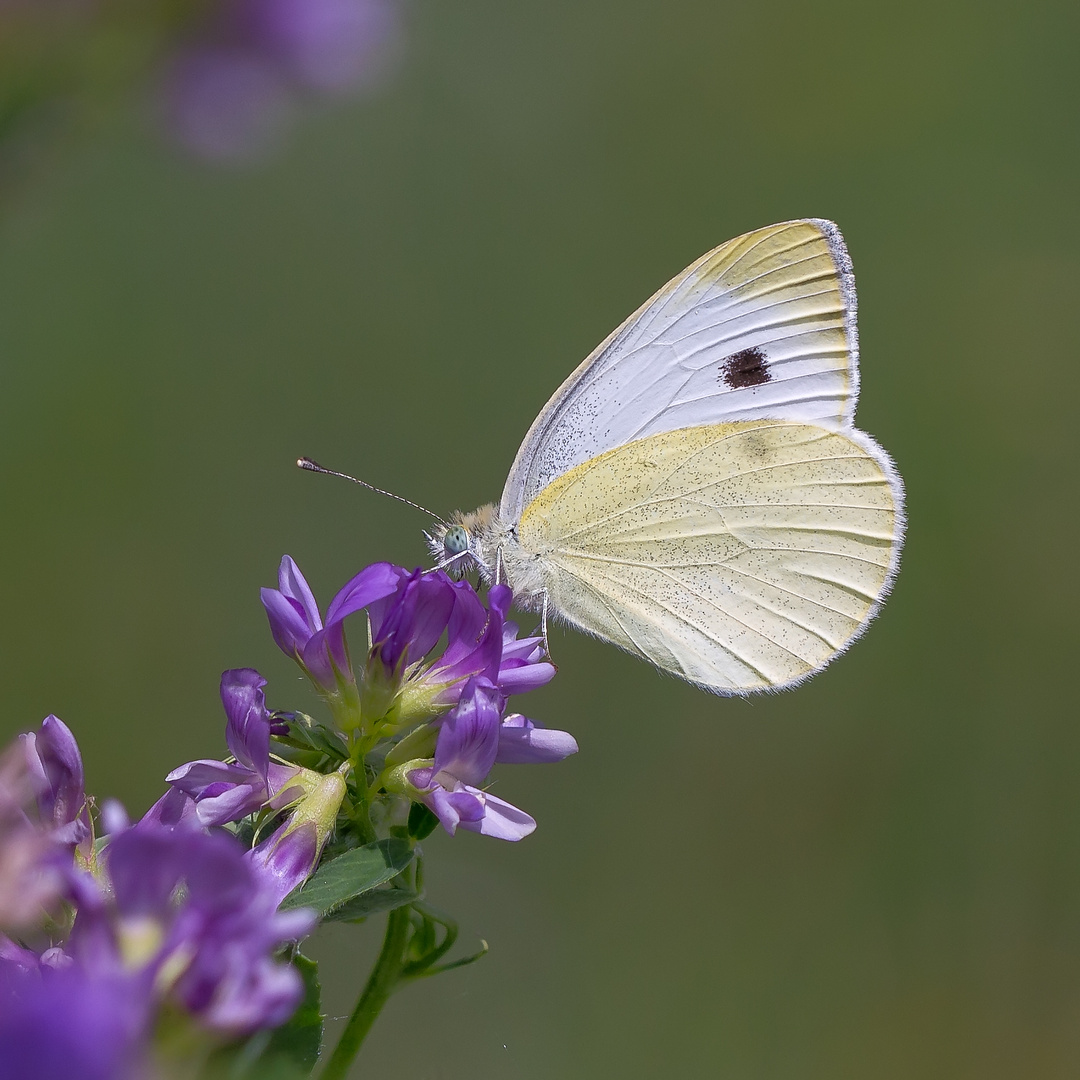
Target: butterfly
<point>696,491</point>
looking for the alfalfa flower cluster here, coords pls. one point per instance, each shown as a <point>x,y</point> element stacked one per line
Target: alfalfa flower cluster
<point>128,949</point>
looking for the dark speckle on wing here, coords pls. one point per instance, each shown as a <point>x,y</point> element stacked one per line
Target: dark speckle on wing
<point>748,367</point>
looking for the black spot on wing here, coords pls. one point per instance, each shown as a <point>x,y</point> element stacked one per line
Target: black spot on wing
<point>748,367</point>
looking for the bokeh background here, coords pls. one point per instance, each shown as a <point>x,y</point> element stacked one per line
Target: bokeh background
<point>875,876</point>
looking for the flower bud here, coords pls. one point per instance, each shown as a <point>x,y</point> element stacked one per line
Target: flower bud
<point>289,856</point>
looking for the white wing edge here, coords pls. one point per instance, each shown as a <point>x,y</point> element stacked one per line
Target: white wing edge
<point>838,250</point>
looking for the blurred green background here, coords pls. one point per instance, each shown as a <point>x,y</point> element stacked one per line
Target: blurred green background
<point>877,875</point>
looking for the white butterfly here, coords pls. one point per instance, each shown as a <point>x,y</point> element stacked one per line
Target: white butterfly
<point>696,492</point>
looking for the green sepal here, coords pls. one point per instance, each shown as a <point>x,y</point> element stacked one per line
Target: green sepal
<point>350,875</point>
<point>310,744</point>
<point>422,822</point>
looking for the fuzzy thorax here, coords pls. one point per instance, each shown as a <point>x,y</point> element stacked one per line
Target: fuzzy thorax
<point>490,545</point>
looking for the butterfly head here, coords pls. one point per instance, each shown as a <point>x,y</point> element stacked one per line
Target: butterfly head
<point>462,543</point>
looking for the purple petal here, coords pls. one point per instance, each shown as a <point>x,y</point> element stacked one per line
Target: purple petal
<point>517,677</point>
<point>287,621</point>
<point>325,655</point>
<point>287,858</point>
<point>267,997</point>
<point>114,817</point>
<point>14,959</point>
<point>469,734</point>
<point>294,586</point>
<point>372,583</point>
<point>528,649</point>
<point>466,627</point>
<point>230,805</point>
<point>174,808</point>
<point>421,779</point>
<point>521,742</point>
<point>481,661</point>
<point>247,730</point>
<point>453,808</point>
<point>279,784</point>
<point>409,623</point>
<point>56,771</point>
<point>144,867</point>
<point>501,820</point>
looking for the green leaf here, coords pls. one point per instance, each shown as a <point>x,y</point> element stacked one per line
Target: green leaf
<point>422,821</point>
<point>371,903</point>
<point>350,875</point>
<point>300,1039</point>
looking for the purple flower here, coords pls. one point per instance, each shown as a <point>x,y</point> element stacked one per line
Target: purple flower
<point>327,45</point>
<point>229,92</point>
<point>191,921</point>
<point>298,628</point>
<point>466,748</point>
<point>482,642</point>
<point>289,856</point>
<point>409,614</point>
<point>56,772</point>
<point>175,809</point>
<point>224,104</point>
<point>406,625</point>
<point>60,1023</point>
<point>43,817</point>
<point>227,792</point>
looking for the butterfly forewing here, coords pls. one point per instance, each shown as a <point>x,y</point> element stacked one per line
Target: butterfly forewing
<point>762,326</point>
<point>741,556</point>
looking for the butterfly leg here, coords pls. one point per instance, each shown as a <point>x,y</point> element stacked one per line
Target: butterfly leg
<point>498,566</point>
<point>543,625</point>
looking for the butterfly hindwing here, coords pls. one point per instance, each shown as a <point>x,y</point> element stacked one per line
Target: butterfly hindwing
<point>740,556</point>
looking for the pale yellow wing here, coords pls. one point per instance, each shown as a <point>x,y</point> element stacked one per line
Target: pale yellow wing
<point>740,556</point>
<point>762,327</point>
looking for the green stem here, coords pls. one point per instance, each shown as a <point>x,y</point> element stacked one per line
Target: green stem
<point>380,986</point>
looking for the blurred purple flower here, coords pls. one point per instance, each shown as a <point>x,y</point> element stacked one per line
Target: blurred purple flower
<point>229,92</point>
<point>330,46</point>
<point>66,1022</point>
<point>224,103</point>
<point>56,772</point>
<point>43,818</point>
<point>189,919</point>
<point>227,792</point>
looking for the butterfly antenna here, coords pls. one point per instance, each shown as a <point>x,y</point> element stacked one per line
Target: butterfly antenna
<point>314,466</point>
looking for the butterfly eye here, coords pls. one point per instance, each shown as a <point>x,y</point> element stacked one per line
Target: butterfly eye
<point>455,541</point>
